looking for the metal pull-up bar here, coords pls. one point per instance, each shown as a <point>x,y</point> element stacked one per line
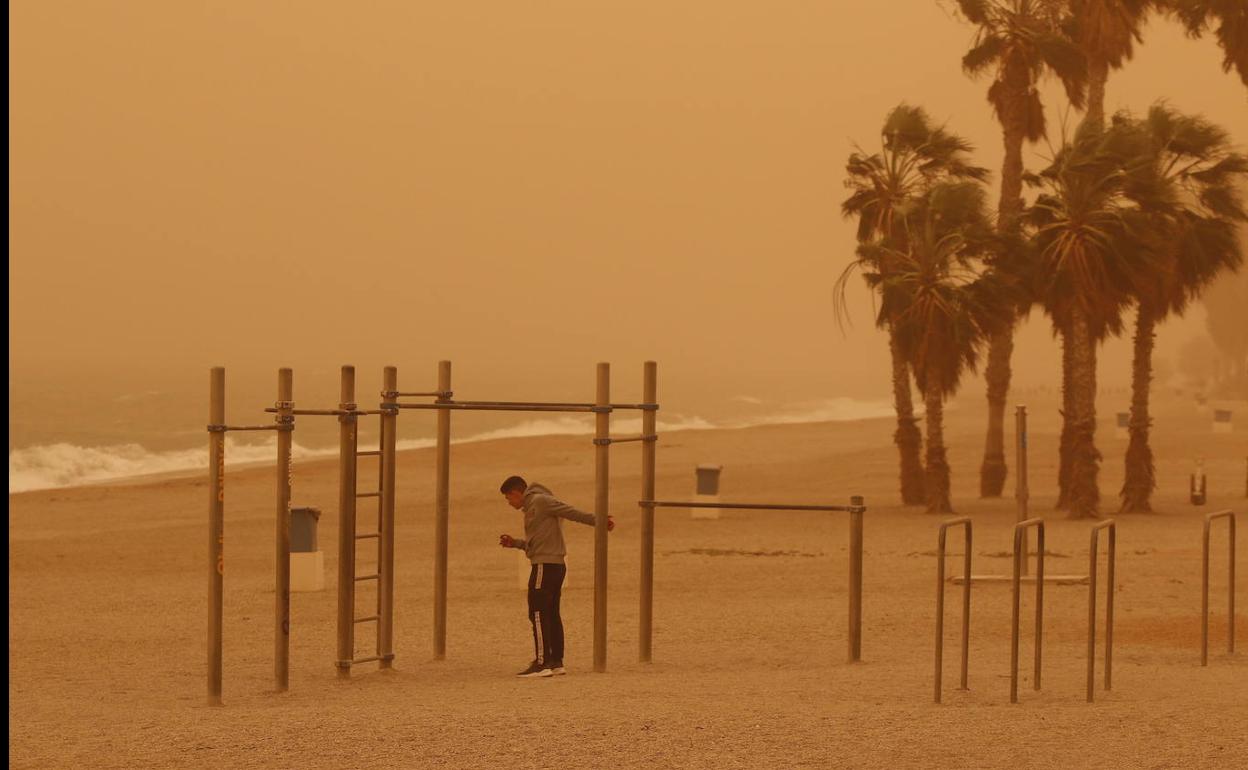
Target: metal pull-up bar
<point>855,509</point>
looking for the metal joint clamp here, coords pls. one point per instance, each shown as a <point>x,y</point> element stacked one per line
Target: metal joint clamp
<point>217,429</point>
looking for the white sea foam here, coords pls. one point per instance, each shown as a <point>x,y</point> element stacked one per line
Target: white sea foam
<point>67,465</point>
<point>837,409</point>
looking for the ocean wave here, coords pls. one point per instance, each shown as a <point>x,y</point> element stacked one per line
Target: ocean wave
<point>60,465</point>
<point>838,409</point>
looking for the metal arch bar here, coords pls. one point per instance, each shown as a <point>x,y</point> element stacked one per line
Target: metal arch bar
<point>1109,602</point>
<point>1229,515</point>
<point>746,506</point>
<point>940,599</point>
<point>1019,529</point>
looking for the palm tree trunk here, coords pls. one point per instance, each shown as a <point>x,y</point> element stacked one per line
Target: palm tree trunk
<point>1063,444</point>
<point>993,470</point>
<point>1140,480</point>
<point>937,464</point>
<point>907,436</point>
<point>1098,76</point>
<point>1084,458</point>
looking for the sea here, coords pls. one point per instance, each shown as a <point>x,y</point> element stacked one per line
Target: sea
<point>61,440</point>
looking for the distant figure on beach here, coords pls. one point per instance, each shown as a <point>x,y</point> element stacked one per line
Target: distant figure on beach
<point>543,544</point>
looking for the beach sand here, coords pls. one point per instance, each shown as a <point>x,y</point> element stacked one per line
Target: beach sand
<point>107,619</point>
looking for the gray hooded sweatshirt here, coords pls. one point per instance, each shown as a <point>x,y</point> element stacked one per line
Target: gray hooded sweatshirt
<point>543,536</point>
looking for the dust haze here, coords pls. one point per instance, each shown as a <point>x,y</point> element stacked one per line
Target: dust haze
<point>524,189</point>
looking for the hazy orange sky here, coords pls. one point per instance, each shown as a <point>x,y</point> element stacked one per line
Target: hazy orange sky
<point>525,188</point>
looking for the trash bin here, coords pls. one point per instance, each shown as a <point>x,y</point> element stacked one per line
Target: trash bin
<point>706,490</point>
<point>307,562</point>
<point>1196,484</point>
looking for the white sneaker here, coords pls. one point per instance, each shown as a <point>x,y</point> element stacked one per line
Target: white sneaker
<point>556,668</point>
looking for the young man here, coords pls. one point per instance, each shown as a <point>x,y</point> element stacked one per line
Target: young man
<point>543,544</point>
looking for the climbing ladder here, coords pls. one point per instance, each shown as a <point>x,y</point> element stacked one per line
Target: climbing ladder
<point>381,572</point>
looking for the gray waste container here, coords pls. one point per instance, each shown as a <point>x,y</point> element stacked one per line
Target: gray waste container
<point>303,529</point>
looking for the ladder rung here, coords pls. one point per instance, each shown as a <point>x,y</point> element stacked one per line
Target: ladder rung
<point>368,619</point>
<point>368,535</point>
<point>368,453</point>
<point>368,494</point>
<point>374,576</point>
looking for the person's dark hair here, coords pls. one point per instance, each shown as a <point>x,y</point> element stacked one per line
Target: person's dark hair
<point>513,483</point>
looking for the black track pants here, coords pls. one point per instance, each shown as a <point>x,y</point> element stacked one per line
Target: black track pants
<point>545,585</point>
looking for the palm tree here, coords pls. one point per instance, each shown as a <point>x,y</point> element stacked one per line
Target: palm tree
<point>1231,16</point>
<point>1090,242</point>
<point>942,311</point>
<point>1106,31</point>
<point>1187,180</point>
<point>914,155</point>
<point>1019,41</point>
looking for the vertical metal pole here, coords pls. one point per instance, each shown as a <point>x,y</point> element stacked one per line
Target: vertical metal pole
<point>602,432</point>
<point>389,427</point>
<point>281,590</point>
<point>1230,601</point>
<point>442,497</point>
<point>346,524</point>
<point>1092,613</point>
<point>855,578</point>
<point>1039,599</point>
<point>940,609</point>
<point>1021,491</point>
<point>216,527</point>
<point>1015,583</point>
<point>1204,597</point>
<point>1109,606</point>
<point>648,428</point>
<point>966,607</point>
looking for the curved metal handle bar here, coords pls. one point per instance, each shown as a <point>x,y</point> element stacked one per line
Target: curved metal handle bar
<point>1229,515</point>
<point>1019,529</point>
<point>964,521</point>
<point>1111,552</point>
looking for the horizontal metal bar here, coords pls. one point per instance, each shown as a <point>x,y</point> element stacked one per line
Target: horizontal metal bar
<point>554,403</point>
<point>400,394</point>
<point>309,412</point>
<point>368,453</point>
<point>366,577</point>
<point>250,427</point>
<point>368,619</point>
<point>1061,580</point>
<point>743,506</point>
<point>368,535</point>
<point>458,406</point>
<point>624,440</point>
<point>368,494</point>
<point>369,659</point>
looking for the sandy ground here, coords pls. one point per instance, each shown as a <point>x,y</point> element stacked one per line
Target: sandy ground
<point>107,621</point>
